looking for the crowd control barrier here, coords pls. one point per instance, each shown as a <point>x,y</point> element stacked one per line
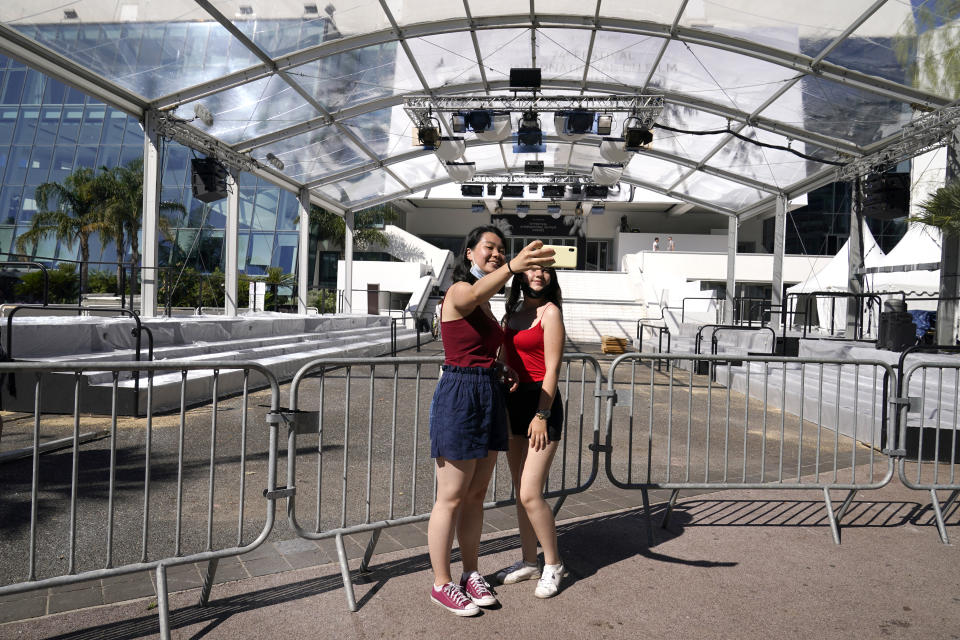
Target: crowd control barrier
<point>928,441</point>
<point>158,492</point>
<point>358,449</point>
<point>733,441</point>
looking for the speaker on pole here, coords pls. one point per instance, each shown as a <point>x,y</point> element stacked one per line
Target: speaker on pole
<point>209,179</point>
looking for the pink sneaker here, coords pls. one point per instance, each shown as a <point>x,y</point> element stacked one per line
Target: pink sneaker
<point>453,599</point>
<point>478,590</point>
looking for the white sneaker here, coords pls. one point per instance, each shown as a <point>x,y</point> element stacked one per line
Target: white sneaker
<point>549,582</point>
<point>518,572</point>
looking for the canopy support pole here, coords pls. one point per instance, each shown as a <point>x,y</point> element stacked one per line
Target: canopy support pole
<point>303,251</point>
<point>855,261</point>
<point>230,242</point>
<point>776,282</point>
<point>151,215</point>
<point>949,260</point>
<point>732,229</point>
<point>347,306</point>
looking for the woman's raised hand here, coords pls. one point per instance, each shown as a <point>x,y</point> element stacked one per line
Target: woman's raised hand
<point>532,255</point>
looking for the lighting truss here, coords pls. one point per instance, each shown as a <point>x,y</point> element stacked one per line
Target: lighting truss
<point>173,128</point>
<point>923,134</point>
<point>528,179</point>
<point>646,108</point>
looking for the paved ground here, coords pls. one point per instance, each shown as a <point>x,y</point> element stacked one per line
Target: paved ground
<point>735,564</point>
<point>741,565</point>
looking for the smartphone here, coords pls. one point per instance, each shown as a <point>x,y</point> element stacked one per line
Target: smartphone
<point>564,257</point>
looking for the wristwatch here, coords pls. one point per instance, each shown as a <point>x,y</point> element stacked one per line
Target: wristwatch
<point>543,414</point>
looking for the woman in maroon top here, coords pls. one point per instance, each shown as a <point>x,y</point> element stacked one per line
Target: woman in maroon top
<point>534,348</point>
<point>468,424</point>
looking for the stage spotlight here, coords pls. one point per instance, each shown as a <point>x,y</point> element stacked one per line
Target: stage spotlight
<point>575,189</point>
<point>275,162</point>
<point>579,121</point>
<point>596,191</point>
<point>428,133</point>
<point>636,135</point>
<point>203,114</point>
<point>554,209</point>
<point>491,189</point>
<point>598,208</point>
<point>525,78</point>
<point>471,190</point>
<point>523,210</point>
<point>553,190</point>
<point>533,166</point>
<point>458,123</point>
<point>533,187</point>
<point>512,191</point>
<point>604,125</point>
<point>480,120</point>
<point>528,130</point>
<point>478,207</point>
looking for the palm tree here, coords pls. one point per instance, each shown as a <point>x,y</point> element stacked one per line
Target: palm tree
<point>941,209</point>
<point>276,278</point>
<point>75,215</point>
<point>366,233</point>
<point>123,214</point>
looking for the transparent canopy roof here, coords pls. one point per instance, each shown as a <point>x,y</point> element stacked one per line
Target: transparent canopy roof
<point>761,97</point>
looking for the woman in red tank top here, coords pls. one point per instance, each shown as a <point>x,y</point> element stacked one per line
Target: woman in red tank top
<point>534,347</point>
<point>468,422</point>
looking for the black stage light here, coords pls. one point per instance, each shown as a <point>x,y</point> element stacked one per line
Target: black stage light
<point>575,189</point>
<point>491,189</point>
<point>886,196</point>
<point>636,137</point>
<point>208,179</point>
<point>480,120</point>
<point>471,190</point>
<point>528,130</point>
<point>598,209</point>
<point>429,136</point>
<point>533,186</point>
<point>553,208</point>
<point>523,209</point>
<point>512,191</point>
<point>596,191</point>
<point>579,121</point>
<point>553,190</point>
<point>478,207</point>
<point>458,123</point>
<point>533,166</point>
<point>524,78</point>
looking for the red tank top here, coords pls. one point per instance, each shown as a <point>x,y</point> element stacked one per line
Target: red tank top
<point>472,341</point>
<point>524,352</point>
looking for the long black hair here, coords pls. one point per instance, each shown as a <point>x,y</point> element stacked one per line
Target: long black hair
<point>551,293</point>
<point>461,268</point>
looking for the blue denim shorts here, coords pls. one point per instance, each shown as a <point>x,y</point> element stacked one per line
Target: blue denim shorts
<point>468,417</point>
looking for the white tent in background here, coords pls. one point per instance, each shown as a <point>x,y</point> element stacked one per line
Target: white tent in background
<point>919,245</point>
<point>833,277</point>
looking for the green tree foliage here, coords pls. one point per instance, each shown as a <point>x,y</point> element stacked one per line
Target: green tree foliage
<point>63,286</point>
<point>72,211</point>
<point>941,209</point>
<point>367,225</point>
<point>123,210</point>
<point>195,289</point>
<point>927,45</point>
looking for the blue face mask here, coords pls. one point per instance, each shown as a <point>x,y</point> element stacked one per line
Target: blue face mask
<point>477,271</point>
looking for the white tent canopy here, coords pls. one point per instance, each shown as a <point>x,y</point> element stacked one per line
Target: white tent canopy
<point>834,278</point>
<point>921,244</point>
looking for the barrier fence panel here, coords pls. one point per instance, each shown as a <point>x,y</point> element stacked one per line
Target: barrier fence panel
<point>358,448</point>
<point>928,439</point>
<point>757,422</point>
<point>95,496</point>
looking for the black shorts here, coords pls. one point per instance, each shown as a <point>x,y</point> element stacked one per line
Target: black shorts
<point>522,405</point>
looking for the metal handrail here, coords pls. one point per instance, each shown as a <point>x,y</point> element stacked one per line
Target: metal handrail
<point>683,304</point>
<point>729,327</point>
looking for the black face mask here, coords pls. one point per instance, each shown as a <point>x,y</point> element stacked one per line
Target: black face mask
<point>530,293</point>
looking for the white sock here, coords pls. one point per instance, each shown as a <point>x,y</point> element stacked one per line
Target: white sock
<point>553,567</point>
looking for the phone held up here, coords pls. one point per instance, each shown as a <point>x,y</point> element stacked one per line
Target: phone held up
<point>564,257</point>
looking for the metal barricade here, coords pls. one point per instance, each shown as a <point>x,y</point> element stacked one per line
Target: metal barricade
<point>769,423</point>
<point>146,494</point>
<point>360,456</point>
<point>928,438</point>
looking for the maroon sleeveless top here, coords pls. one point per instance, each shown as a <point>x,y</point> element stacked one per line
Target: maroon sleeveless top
<point>472,341</point>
